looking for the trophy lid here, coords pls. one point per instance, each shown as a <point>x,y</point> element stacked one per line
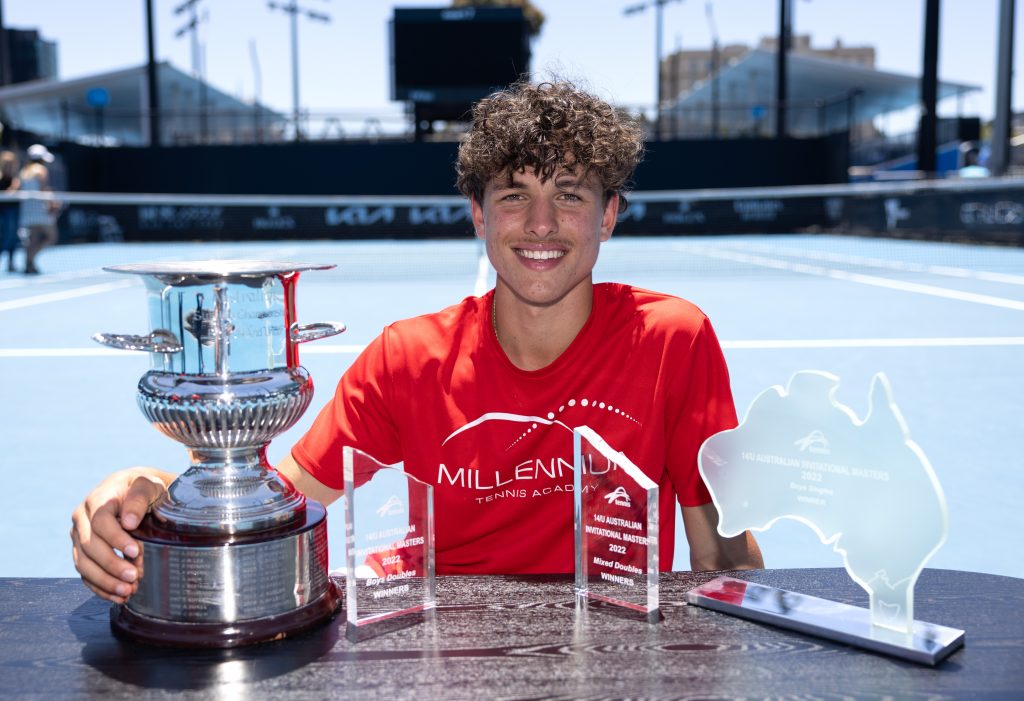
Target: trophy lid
<point>217,269</point>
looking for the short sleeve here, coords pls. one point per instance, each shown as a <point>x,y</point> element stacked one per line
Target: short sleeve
<point>357,415</point>
<point>702,406</point>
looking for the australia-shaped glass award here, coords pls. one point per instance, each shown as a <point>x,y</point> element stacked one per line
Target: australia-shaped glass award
<point>616,518</point>
<point>864,487</point>
<point>389,544</point>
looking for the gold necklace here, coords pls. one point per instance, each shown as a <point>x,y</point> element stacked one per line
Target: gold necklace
<point>494,316</point>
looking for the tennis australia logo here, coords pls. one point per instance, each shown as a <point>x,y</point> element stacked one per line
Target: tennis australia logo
<point>637,212</point>
<point>834,208</point>
<point>618,497</point>
<point>813,442</point>
<point>895,212</point>
<point>392,507</point>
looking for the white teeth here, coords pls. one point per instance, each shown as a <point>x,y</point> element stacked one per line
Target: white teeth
<point>540,255</point>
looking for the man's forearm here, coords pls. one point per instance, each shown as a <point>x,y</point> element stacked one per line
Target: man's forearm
<point>307,483</point>
<point>709,550</point>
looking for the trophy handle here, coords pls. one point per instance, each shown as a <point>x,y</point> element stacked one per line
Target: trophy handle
<point>301,333</point>
<point>159,341</point>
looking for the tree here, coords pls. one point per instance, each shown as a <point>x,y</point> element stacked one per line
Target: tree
<point>533,15</point>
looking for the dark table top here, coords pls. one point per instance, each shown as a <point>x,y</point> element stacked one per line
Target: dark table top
<point>522,638</point>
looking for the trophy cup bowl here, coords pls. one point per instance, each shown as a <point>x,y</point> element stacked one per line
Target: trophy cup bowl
<point>233,554</point>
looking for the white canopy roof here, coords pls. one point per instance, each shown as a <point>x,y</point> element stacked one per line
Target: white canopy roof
<point>823,94</point>
<point>112,108</point>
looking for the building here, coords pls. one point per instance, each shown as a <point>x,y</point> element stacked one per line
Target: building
<point>830,90</point>
<point>681,70</point>
<point>801,44</point>
<point>29,56</point>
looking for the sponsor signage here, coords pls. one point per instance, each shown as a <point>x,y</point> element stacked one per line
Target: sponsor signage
<point>988,214</point>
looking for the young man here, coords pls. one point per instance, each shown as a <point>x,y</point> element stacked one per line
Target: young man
<point>480,399</point>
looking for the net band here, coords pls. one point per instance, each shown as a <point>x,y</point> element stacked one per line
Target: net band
<point>986,210</point>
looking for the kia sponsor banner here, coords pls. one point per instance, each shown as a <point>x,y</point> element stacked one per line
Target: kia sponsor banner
<point>990,210</point>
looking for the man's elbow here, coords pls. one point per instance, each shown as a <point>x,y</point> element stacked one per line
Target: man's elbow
<point>738,553</point>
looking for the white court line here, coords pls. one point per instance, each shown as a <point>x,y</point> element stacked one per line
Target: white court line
<point>51,277</point>
<point>857,277</point>
<point>66,294</point>
<point>483,270</point>
<point>353,349</point>
<point>876,343</point>
<point>902,266</point>
<point>282,254</point>
<point>64,352</point>
<point>276,254</point>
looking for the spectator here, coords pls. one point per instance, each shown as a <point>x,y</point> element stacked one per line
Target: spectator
<point>9,210</point>
<point>38,216</point>
<point>970,162</point>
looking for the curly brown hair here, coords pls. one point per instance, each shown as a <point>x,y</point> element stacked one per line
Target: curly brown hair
<point>546,128</point>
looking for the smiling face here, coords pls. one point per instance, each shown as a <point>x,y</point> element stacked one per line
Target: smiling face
<point>543,236</point>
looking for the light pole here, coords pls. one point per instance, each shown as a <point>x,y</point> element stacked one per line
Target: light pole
<point>709,10</point>
<point>781,56</point>
<point>192,26</point>
<point>926,136</point>
<point>257,91</point>
<point>658,6</point>
<point>293,9</point>
<point>1002,122</point>
<point>5,54</point>
<point>152,89</point>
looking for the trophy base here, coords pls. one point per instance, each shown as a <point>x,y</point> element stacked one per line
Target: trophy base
<point>229,590</point>
<point>927,643</point>
<point>156,631</point>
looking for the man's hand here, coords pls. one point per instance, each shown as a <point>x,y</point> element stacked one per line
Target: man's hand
<point>100,530</point>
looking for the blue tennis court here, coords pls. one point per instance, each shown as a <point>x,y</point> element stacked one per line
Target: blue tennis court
<point>943,321</point>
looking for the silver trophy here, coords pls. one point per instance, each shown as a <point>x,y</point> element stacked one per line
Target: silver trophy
<point>233,554</point>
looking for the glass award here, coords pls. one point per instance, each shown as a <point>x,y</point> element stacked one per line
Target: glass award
<point>863,486</point>
<point>616,522</point>
<point>389,539</point>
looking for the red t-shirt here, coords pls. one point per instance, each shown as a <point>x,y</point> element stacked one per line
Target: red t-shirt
<point>646,373</point>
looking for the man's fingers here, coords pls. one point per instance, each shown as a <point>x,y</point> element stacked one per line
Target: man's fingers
<point>103,530</point>
<point>95,541</point>
<point>95,576</point>
<point>142,493</point>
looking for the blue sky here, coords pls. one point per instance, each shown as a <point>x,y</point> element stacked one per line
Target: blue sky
<point>344,63</point>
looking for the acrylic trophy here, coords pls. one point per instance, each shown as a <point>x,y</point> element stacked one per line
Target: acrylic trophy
<point>616,518</point>
<point>863,486</point>
<point>389,537</point>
